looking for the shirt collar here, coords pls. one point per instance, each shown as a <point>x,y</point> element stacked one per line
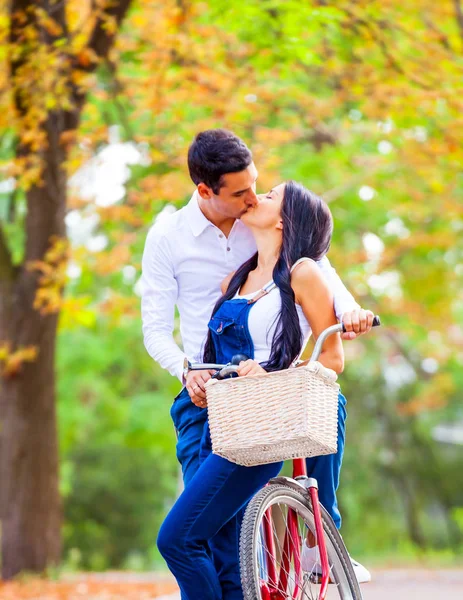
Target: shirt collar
<point>197,220</point>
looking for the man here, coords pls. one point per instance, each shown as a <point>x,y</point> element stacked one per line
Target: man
<point>187,255</point>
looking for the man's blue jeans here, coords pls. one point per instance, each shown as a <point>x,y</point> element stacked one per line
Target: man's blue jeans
<point>189,423</point>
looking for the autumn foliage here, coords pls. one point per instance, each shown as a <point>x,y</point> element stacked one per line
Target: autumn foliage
<point>360,100</point>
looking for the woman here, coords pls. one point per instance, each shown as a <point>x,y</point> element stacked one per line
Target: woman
<point>268,309</point>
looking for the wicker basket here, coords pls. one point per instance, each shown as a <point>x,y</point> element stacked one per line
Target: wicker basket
<point>275,416</point>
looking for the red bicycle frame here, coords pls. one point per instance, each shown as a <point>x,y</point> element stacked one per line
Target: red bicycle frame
<point>277,589</point>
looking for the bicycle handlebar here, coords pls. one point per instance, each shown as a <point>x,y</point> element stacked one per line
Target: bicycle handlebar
<point>226,371</point>
<point>232,367</point>
<point>339,328</point>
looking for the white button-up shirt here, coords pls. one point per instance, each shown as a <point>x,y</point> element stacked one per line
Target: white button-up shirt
<point>186,257</point>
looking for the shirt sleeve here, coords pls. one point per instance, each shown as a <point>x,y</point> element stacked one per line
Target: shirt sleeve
<point>159,293</point>
<point>343,299</point>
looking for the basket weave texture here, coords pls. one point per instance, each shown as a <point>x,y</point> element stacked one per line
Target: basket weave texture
<point>275,416</point>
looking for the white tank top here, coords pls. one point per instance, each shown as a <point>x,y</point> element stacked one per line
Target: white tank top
<point>262,321</point>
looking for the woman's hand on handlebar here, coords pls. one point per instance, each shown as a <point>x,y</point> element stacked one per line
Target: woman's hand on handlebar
<point>195,383</point>
<point>249,368</point>
<point>357,322</point>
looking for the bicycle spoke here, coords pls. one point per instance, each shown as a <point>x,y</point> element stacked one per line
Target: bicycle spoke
<point>286,542</point>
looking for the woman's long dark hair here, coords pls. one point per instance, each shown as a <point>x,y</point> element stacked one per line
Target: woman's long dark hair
<point>307,229</point>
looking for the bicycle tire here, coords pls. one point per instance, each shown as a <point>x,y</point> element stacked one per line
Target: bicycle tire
<point>298,500</point>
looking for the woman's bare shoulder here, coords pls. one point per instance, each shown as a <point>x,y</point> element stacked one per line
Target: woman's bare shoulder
<point>308,277</point>
<point>305,272</point>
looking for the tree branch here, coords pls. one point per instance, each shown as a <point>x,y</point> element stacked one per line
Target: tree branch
<point>443,39</point>
<point>100,43</point>
<point>412,361</point>
<point>6,263</point>
<point>371,169</point>
<point>102,38</point>
<point>376,29</point>
<point>459,15</point>
<point>117,89</point>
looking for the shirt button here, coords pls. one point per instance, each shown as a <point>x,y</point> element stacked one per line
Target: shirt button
<point>220,235</point>
<point>228,249</point>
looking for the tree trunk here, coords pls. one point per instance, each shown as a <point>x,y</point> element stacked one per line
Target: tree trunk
<point>6,309</point>
<point>29,497</point>
<point>32,514</point>
<point>407,494</point>
<point>29,449</point>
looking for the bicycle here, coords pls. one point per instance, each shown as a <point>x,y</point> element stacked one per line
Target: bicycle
<point>277,521</point>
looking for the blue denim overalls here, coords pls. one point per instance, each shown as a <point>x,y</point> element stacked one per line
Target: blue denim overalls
<point>206,517</point>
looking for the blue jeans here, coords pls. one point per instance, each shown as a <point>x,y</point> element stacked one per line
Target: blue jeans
<point>205,516</point>
<point>193,527</point>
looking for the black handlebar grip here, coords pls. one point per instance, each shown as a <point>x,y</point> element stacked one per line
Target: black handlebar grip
<point>237,358</point>
<point>376,323</point>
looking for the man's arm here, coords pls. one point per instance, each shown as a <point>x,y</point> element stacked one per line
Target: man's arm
<point>343,299</point>
<point>158,298</point>
<point>356,320</point>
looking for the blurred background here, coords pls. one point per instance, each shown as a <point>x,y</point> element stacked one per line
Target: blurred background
<point>362,102</point>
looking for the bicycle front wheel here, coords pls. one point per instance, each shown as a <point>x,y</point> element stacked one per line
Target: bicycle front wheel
<point>275,525</point>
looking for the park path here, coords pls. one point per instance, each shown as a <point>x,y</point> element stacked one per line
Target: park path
<point>405,584</point>
<point>414,584</point>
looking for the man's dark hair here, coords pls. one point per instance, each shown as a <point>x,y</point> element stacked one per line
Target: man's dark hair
<point>214,153</point>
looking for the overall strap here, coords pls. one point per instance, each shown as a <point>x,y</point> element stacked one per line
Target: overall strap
<point>263,292</point>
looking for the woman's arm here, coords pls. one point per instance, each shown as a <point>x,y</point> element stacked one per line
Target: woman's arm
<point>313,294</point>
